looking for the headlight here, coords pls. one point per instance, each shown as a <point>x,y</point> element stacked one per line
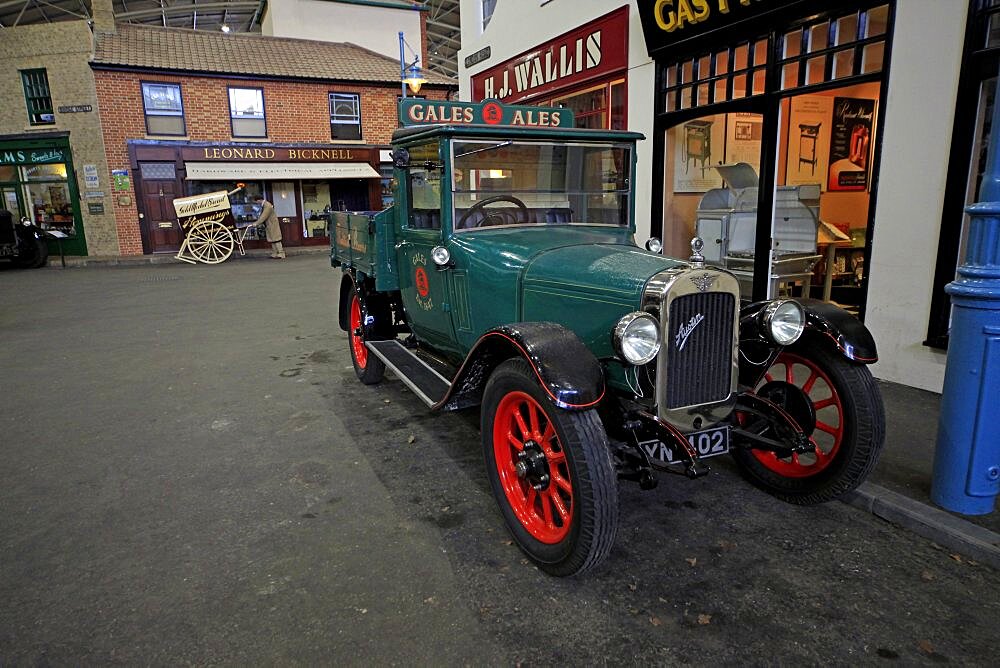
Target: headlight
<point>784,321</point>
<point>654,245</point>
<point>440,255</point>
<point>636,337</point>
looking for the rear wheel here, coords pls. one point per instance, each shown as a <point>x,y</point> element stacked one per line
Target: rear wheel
<point>838,404</point>
<point>551,473</point>
<point>369,368</point>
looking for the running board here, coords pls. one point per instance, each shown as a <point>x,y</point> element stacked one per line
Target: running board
<point>425,382</point>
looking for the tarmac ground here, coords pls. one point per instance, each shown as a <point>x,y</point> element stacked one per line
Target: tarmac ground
<point>193,474</point>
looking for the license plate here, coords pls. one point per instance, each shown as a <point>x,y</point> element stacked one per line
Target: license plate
<point>708,443</point>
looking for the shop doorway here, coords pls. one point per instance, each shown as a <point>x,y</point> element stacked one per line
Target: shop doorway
<point>159,188</point>
<point>769,150</point>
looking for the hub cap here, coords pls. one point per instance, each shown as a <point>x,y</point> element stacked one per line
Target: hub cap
<point>821,414</point>
<point>532,467</point>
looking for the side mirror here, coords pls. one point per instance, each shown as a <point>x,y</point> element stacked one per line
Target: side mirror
<point>401,158</point>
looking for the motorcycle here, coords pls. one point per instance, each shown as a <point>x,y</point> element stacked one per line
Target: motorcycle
<point>23,243</point>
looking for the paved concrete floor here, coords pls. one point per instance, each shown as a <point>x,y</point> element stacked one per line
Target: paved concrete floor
<point>192,474</point>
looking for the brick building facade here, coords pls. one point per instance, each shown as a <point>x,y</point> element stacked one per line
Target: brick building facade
<point>296,80</point>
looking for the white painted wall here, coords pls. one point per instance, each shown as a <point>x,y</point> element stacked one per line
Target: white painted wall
<point>519,25</point>
<point>920,106</point>
<point>375,28</point>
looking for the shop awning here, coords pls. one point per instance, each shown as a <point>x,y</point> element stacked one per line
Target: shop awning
<point>278,171</point>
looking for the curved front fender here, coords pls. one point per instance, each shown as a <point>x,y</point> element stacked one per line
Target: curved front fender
<point>566,369</point>
<point>826,325</point>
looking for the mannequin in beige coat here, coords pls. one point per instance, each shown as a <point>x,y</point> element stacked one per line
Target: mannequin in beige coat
<point>272,227</point>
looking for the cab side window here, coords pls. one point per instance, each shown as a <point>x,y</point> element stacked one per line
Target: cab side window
<point>424,178</point>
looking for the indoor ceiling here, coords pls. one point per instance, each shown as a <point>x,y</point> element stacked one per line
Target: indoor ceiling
<point>443,29</point>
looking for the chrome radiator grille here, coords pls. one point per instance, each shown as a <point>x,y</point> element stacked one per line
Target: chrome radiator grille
<point>699,349</point>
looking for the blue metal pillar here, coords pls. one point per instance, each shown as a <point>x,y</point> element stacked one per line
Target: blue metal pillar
<point>967,459</point>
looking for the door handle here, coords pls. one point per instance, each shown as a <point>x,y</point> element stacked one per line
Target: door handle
<point>401,244</point>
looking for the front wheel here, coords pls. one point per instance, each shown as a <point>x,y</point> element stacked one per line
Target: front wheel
<point>551,473</point>
<point>838,404</point>
<point>369,368</point>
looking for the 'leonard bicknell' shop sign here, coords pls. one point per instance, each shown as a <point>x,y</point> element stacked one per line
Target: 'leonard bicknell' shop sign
<point>667,22</point>
<point>414,111</point>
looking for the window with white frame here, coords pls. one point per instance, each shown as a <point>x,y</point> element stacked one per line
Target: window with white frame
<point>164,108</point>
<point>488,7</point>
<point>345,116</point>
<point>246,112</point>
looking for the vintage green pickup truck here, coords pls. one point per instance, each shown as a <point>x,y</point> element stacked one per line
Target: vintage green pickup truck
<point>507,277</point>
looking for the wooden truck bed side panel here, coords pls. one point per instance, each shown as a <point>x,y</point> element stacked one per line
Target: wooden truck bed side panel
<point>365,242</point>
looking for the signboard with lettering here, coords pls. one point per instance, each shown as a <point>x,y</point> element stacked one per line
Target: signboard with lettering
<point>669,22</point>
<point>275,153</point>
<point>76,109</point>
<point>478,57</point>
<point>91,178</point>
<point>489,112</point>
<point>38,156</point>
<point>589,52</point>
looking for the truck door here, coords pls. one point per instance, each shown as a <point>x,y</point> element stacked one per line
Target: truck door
<point>425,290</point>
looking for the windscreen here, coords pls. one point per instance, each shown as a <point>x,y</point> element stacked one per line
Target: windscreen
<point>504,183</point>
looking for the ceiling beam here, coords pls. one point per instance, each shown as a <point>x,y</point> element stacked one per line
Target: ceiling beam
<point>187,7</point>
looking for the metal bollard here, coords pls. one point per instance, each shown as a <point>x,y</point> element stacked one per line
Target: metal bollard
<point>967,459</point>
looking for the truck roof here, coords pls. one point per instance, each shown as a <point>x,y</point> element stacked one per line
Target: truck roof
<point>407,135</point>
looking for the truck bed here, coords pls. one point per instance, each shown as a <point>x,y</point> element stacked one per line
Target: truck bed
<point>362,241</point>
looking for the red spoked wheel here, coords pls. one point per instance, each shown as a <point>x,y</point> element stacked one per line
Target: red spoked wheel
<point>357,340</point>
<point>822,416</point>
<point>532,466</point>
<point>550,471</point>
<point>839,406</point>
<point>368,368</point>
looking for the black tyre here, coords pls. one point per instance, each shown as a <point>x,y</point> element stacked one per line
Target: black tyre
<point>550,471</point>
<point>839,404</point>
<point>370,369</point>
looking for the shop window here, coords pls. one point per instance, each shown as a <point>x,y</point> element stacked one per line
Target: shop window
<point>246,112</point>
<point>345,116</point>
<point>488,7</point>
<point>834,49</point>
<point>164,108</point>
<point>47,188</point>
<point>37,97</point>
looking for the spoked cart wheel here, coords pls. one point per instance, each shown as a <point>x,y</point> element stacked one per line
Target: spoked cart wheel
<point>210,242</point>
<point>550,471</point>
<point>838,404</point>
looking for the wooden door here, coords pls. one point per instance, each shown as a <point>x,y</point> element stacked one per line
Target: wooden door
<point>160,221</point>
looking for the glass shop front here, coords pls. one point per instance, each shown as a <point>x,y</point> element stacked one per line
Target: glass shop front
<point>767,134</point>
<point>37,182</point>
<point>303,182</point>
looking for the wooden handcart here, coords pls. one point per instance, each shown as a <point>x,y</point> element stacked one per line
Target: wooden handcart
<point>210,231</point>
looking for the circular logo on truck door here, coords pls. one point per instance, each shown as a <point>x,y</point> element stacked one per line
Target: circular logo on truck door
<point>420,279</point>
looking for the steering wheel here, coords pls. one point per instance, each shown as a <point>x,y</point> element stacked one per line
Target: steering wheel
<point>481,204</point>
